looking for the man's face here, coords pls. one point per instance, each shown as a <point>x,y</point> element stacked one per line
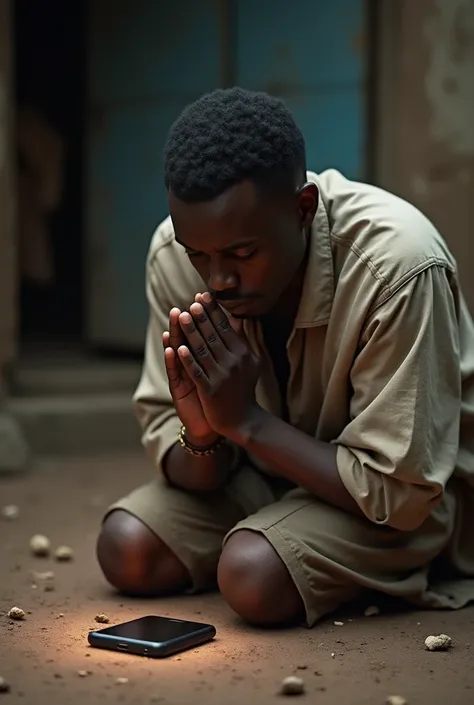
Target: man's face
<point>247,247</point>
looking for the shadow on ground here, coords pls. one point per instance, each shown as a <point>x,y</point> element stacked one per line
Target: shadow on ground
<point>359,663</point>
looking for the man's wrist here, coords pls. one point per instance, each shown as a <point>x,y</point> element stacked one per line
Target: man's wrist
<point>201,441</point>
<point>248,429</point>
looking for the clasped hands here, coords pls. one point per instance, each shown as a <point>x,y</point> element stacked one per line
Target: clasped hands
<point>212,371</point>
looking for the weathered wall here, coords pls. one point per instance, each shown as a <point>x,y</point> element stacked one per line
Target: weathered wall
<point>426,150</point>
<point>8,275</point>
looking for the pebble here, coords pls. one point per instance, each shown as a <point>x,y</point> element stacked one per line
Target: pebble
<point>371,611</point>
<point>10,511</point>
<point>338,624</point>
<point>64,553</point>
<point>45,575</point>
<point>16,613</point>
<point>121,681</point>
<point>396,700</point>
<point>40,545</point>
<point>4,685</point>
<point>442,642</point>
<point>82,674</point>
<point>292,686</point>
<point>102,619</point>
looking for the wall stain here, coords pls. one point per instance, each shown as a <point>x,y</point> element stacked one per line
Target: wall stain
<point>449,82</point>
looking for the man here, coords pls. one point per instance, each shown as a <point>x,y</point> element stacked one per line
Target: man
<point>311,414</point>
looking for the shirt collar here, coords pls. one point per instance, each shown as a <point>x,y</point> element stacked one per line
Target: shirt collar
<point>318,285</point>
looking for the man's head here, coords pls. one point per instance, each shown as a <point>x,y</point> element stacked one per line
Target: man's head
<point>235,170</point>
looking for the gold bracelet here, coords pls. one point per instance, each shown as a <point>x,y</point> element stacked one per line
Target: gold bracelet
<point>194,450</point>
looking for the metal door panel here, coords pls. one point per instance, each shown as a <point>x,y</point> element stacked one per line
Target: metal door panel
<point>310,53</point>
<point>147,60</point>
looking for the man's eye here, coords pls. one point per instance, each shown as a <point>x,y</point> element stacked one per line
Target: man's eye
<point>244,254</point>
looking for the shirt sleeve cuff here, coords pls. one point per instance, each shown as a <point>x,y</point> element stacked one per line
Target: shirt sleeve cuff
<point>157,443</point>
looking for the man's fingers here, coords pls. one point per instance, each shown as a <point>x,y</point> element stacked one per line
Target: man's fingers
<point>221,323</point>
<point>176,334</point>
<point>196,343</point>
<point>195,371</point>
<point>211,337</point>
<point>173,367</point>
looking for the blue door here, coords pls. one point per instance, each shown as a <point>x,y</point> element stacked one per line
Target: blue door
<point>147,60</point>
<point>310,54</point>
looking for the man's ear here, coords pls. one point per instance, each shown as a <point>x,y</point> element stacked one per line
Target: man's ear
<point>308,199</point>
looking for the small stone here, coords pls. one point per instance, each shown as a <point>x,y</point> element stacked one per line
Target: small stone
<point>338,624</point>
<point>64,553</point>
<point>292,686</point>
<point>82,674</point>
<point>396,700</point>
<point>302,667</point>
<point>4,685</point>
<point>10,511</point>
<point>372,611</point>
<point>16,613</point>
<point>102,619</point>
<point>60,615</point>
<point>43,575</point>
<point>40,545</point>
<point>442,642</point>
<point>333,655</point>
<point>121,681</point>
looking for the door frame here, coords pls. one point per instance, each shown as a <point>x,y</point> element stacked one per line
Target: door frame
<point>9,277</point>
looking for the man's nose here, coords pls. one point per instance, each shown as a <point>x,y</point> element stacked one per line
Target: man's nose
<point>221,278</point>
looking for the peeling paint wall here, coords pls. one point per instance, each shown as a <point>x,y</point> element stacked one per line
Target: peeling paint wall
<point>427,152</point>
<point>8,273</point>
<point>449,82</point>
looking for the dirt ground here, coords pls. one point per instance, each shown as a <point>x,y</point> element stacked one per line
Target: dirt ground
<point>359,663</point>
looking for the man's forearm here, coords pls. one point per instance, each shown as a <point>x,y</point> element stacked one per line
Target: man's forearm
<point>198,473</point>
<point>297,457</point>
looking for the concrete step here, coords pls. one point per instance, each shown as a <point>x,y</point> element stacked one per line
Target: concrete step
<point>68,403</point>
<point>59,375</point>
<point>79,424</point>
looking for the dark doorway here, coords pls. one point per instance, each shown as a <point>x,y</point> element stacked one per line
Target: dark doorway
<point>50,81</point>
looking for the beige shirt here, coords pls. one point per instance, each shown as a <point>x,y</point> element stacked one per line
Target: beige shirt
<point>381,354</point>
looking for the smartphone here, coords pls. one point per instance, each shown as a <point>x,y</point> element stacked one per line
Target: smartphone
<point>152,636</point>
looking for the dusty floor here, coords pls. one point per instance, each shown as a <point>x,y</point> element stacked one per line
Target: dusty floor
<point>359,663</point>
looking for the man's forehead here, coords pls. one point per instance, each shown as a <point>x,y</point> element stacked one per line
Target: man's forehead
<point>237,201</point>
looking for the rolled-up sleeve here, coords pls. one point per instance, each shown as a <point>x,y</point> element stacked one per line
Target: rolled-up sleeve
<point>152,401</point>
<point>400,446</point>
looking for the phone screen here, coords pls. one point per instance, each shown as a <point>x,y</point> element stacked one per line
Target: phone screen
<point>153,629</point>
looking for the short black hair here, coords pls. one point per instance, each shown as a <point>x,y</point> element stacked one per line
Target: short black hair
<point>230,135</point>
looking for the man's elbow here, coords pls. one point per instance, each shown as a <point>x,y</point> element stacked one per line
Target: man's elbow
<point>408,512</point>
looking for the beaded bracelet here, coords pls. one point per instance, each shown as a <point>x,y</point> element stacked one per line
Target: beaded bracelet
<point>194,450</point>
